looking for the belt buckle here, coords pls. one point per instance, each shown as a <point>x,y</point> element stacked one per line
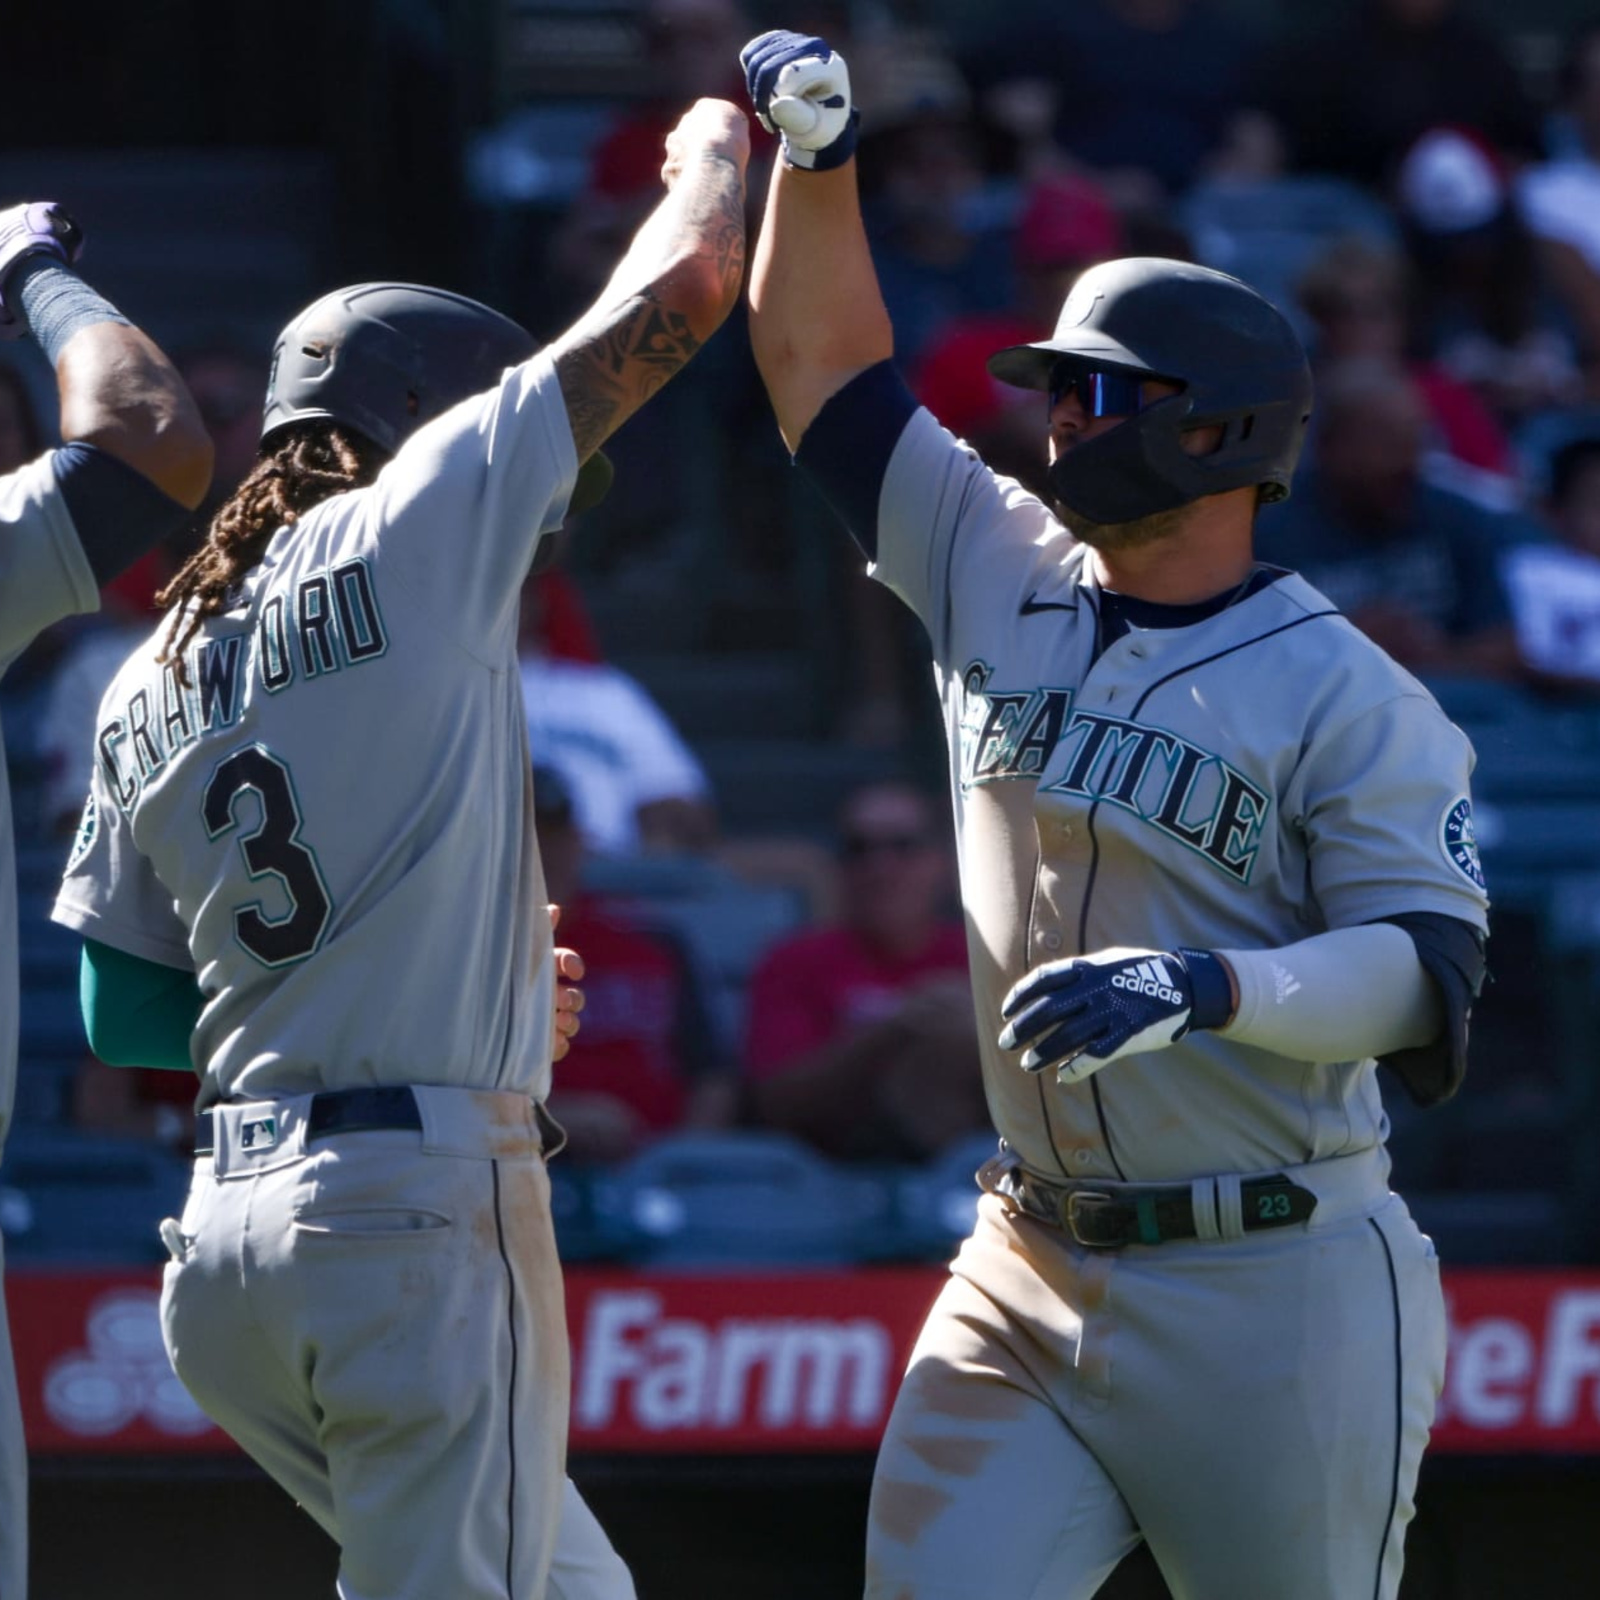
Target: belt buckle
<point>1077,1212</point>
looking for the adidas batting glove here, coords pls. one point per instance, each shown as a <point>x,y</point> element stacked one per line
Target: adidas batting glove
<point>1080,1015</point>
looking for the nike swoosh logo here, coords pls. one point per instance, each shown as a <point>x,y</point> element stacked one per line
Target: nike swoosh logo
<point>1033,604</point>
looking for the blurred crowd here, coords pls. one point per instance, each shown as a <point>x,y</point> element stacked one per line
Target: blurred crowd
<point>1420,195</point>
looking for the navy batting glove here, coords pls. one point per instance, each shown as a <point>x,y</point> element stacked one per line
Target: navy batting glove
<point>801,89</point>
<point>1080,1015</point>
<point>39,227</point>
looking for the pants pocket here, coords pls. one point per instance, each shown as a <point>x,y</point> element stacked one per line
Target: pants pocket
<point>377,1221</point>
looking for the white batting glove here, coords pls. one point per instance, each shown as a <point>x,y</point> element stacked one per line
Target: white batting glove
<point>801,90</point>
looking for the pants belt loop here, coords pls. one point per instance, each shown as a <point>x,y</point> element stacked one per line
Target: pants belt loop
<point>1230,1204</point>
<point>1207,1213</point>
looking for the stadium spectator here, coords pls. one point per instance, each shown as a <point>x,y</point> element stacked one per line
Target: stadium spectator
<point>940,228</point>
<point>1354,96</point>
<point>1485,313</point>
<point>689,45</point>
<point>1357,296</point>
<point>636,786</point>
<point>1560,199</point>
<point>645,1059</point>
<point>1554,586</point>
<point>1143,93</point>
<point>861,1037</point>
<point>135,1103</point>
<point>690,49</point>
<point>1412,565</point>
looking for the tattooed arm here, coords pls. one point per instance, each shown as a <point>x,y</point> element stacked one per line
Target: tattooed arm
<point>673,288</point>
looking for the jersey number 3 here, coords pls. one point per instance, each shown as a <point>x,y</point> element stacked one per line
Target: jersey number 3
<point>272,848</point>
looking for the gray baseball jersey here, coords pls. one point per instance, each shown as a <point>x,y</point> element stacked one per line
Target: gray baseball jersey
<point>331,823</point>
<point>1262,776</point>
<point>44,575</point>
<point>1252,1403</point>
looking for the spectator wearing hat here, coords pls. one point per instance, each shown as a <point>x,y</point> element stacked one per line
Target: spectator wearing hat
<point>1357,294</point>
<point>1560,199</point>
<point>1485,313</point>
<point>646,1059</point>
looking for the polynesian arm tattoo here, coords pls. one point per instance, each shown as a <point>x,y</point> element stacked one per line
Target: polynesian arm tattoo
<point>678,281</point>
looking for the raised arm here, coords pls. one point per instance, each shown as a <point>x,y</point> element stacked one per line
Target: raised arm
<point>117,390</point>
<point>817,316</point>
<point>675,286</point>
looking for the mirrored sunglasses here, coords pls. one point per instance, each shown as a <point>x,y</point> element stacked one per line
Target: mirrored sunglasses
<point>1101,394</point>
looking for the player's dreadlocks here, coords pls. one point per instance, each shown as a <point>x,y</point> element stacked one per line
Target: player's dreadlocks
<point>302,467</point>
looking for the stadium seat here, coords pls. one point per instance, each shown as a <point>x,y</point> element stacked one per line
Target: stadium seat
<point>723,923</point>
<point>49,953</point>
<point>748,1197</point>
<point>1487,1228</point>
<point>75,1197</point>
<point>50,1024</point>
<point>587,1228</point>
<point>936,1204</point>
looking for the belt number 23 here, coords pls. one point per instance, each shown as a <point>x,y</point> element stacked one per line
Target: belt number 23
<point>271,849</point>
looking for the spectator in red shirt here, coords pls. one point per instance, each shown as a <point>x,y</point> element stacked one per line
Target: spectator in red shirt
<point>645,1060</point>
<point>135,1103</point>
<point>861,1035</point>
<point>1358,296</point>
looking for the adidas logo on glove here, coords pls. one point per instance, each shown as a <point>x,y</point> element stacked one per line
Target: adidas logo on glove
<point>1150,979</point>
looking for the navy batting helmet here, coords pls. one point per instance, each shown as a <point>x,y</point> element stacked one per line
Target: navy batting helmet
<point>1239,364</point>
<point>384,358</point>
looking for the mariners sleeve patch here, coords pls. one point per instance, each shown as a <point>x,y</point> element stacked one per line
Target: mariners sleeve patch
<point>84,839</point>
<point>1459,841</point>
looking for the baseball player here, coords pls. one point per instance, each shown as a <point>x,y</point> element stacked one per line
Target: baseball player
<point>134,462</point>
<point>1217,861</point>
<point>308,868</point>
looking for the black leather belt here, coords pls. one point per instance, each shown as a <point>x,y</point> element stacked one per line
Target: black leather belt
<point>339,1111</point>
<point>1155,1214</point>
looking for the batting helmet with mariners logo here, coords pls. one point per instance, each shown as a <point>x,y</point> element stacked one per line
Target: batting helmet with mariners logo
<point>1239,364</point>
<point>384,358</point>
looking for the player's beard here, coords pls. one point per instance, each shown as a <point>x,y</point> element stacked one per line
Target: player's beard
<point>1116,536</point>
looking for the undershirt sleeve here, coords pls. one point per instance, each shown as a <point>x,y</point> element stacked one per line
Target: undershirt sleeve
<point>1338,996</point>
<point>117,511</point>
<point>846,450</point>
<point>137,1013</point>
